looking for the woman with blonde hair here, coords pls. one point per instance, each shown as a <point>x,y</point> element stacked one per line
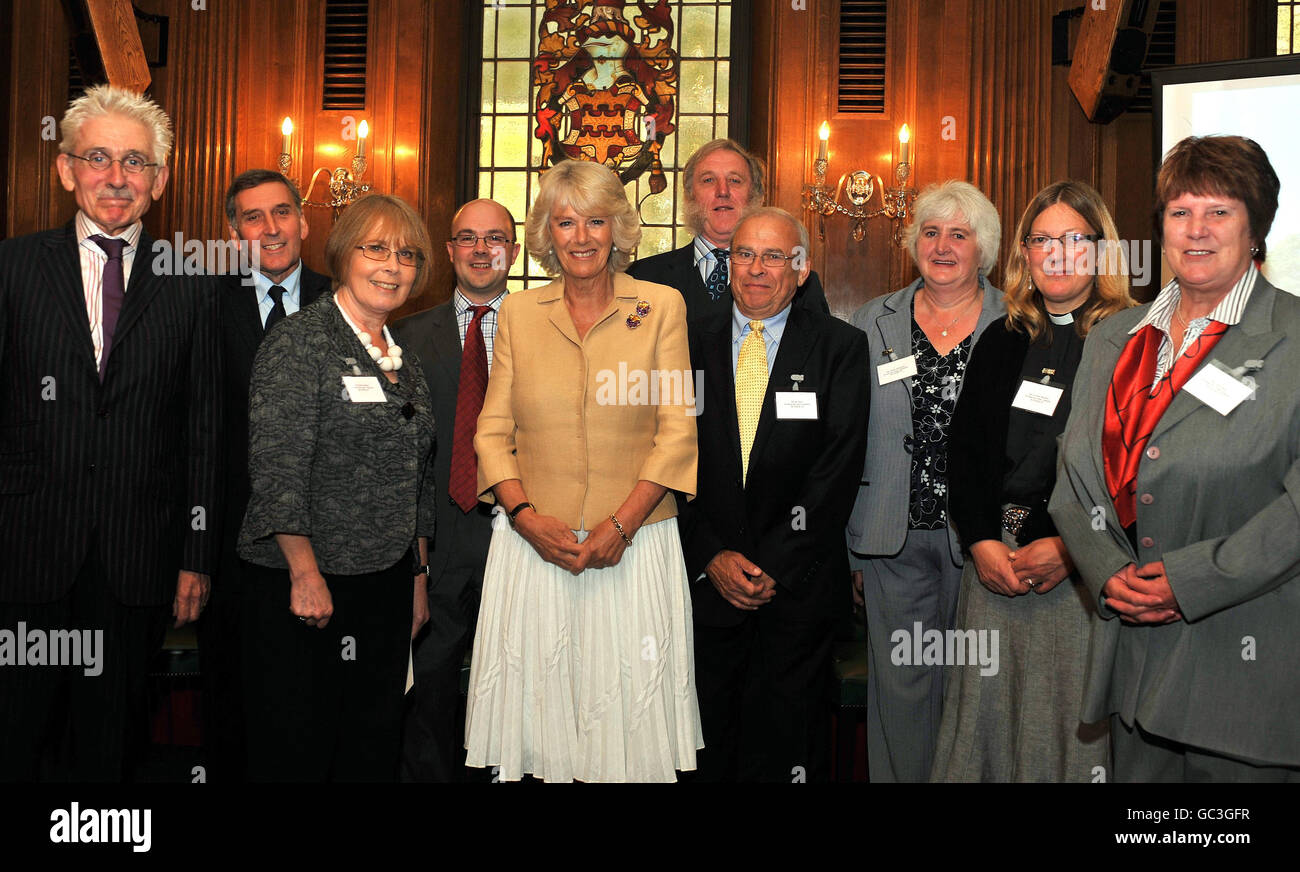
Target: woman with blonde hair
<point>583,665</point>
<point>1016,718</point>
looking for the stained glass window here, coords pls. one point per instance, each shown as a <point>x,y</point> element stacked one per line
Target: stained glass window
<point>1288,27</point>
<point>698,95</point>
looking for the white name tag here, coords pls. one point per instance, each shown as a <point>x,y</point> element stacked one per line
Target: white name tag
<point>1217,389</point>
<point>904,367</point>
<point>796,404</point>
<point>364,389</point>
<point>1037,397</point>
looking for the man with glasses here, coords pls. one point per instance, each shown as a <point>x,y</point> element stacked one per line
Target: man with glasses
<point>454,342</point>
<point>263,209</point>
<point>722,181</point>
<point>764,537</point>
<point>110,419</point>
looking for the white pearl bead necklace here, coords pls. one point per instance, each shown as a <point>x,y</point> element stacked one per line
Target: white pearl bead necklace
<point>390,362</point>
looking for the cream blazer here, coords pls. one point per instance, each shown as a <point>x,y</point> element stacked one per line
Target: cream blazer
<point>580,421</point>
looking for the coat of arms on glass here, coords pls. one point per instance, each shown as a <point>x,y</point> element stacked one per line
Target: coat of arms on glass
<point>605,86</point>
<point>637,85</point>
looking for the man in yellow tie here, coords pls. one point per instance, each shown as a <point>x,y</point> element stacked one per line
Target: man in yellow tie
<point>782,436</point>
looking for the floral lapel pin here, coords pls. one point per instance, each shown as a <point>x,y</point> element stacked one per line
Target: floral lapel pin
<point>642,309</point>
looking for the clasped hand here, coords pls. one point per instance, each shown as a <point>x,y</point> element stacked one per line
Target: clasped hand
<point>556,543</point>
<point>1039,566</point>
<point>1142,595</point>
<point>740,581</point>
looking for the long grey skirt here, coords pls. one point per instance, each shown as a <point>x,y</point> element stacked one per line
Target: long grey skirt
<point>1022,722</point>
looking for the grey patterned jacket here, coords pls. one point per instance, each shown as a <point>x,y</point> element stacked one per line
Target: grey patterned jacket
<point>357,478</point>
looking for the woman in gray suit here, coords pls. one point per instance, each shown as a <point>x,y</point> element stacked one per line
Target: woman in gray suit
<point>1178,490</point>
<point>907,565</point>
<point>340,444</point>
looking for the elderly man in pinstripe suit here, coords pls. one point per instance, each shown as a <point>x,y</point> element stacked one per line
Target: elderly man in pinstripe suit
<point>110,398</point>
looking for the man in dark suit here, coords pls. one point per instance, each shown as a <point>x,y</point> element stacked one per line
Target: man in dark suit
<point>454,344</point>
<point>264,209</point>
<point>722,181</point>
<point>110,417</point>
<point>782,439</point>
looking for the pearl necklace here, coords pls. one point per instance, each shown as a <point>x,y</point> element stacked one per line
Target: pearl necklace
<point>390,362</point>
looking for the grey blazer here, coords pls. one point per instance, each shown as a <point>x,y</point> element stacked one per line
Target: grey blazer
<point>878,525</point>
<point>1223,515</point>
<point>355,477</point>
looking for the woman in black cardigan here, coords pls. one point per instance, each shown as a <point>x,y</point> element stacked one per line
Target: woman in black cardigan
<point>1015,717</point>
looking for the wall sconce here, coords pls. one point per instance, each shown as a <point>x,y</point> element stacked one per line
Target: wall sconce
<point>344,185</point>
<point>857,187</point>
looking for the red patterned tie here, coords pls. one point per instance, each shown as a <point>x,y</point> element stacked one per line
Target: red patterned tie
<point>463,486</point>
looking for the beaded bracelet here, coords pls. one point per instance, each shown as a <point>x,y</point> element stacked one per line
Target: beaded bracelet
<point>619,528</point>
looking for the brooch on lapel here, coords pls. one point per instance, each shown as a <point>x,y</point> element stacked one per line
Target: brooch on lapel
<point>642,309</point>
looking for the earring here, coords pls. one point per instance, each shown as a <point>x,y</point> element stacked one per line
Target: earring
<point>1254,250</point>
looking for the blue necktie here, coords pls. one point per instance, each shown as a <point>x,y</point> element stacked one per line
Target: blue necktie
<point>717,282</point>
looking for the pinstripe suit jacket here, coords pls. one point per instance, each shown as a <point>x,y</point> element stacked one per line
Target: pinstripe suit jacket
<point>123,464</point>
<point>878,525</point>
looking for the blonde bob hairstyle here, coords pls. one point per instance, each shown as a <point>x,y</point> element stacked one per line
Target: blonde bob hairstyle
<point>104,100</point>
<point>1110,284</point>
<point>593,191</point>
<point>381,218</point>
<point>955,200</point>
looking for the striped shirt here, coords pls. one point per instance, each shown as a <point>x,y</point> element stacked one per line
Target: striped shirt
<point>705,259</point>
<point>489,323</point>
<point>93,259</point>
<point>1161,315</point>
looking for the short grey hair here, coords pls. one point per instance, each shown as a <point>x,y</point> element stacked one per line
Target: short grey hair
<point>955,200</point>
<point>805,241</point>
<point>249,179</point>
<point>104,100</point>
<point>590,189</point>
<point>757,172</point>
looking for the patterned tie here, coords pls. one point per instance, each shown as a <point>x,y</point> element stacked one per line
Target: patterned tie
<point>463,486</point>
<point>717,281</point>
<point>751,386</point>
<point>277,311</point>
<point>114,293</point>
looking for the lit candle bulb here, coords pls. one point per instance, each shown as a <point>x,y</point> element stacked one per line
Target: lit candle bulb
<point>363,130</point>
<point>824,134</point>
<point>904,144</point>
<point>286,128</point>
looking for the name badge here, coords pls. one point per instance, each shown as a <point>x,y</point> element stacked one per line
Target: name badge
<point>1219,390</point>
<point>904,367</point>
<point>1037,397</point>
<point>364,389</point>
<point>796,405</point>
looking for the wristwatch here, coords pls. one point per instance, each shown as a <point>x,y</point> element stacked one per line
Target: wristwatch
<point>517,509</point>
<point>422,569</point>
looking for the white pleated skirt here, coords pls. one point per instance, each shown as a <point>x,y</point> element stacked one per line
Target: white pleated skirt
<point>588,677</point>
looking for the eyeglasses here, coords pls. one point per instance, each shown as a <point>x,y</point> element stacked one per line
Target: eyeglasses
<point>467,240</point>
<point>1071,242</point>
<point>405,256</point>
<point>744,257</point>
<point>99,162</point>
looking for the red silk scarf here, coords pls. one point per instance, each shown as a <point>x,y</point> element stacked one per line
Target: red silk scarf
<point>1133,409</point>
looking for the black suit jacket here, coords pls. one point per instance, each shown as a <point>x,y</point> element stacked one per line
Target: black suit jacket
<point>130,465</point>
<point>433,335</point>
<point>241,334</point>
<point>789,516</point>
<point>676,269</point>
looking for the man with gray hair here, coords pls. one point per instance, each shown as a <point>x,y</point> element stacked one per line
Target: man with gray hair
<point>781,442</point>
<point>110,418</point>
<point>722,180</point>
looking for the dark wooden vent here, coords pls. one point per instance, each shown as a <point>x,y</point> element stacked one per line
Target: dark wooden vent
<point>862,56</point>
<point>1160,53</point>
<point>347,29</point>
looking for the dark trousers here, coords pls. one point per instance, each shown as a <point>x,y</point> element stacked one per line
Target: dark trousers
<point>326,704</point>
<point>433,740</point>
<point>763,687</point>
<point>220,632</point>
<point>57,722</point>
<point>1140,757</point>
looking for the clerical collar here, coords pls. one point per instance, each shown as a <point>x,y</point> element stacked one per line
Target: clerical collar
<point>1062,320</point>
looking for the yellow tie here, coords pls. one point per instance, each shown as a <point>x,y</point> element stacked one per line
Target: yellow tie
<point>751,385</point>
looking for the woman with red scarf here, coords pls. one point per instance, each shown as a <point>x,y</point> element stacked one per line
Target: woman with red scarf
<point>1179,490</point>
